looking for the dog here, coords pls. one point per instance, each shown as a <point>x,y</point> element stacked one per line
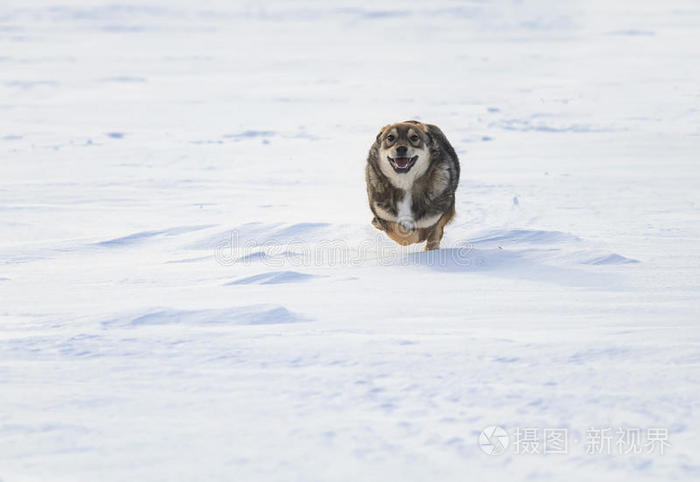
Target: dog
<point>412,174</point>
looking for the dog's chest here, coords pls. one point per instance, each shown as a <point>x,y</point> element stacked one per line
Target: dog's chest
<point>404,208</point>
<point>397,208</point>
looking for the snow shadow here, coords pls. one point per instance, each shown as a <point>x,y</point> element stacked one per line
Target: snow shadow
<point>538,255</point>
<point>523,264</point>
<point>243,315</point>
<point>274,277</point>
<point>259,234</point>
<point>142,236</point>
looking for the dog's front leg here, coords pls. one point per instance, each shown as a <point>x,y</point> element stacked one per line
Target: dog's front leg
<point>434,238</point>
<point>435,235</point>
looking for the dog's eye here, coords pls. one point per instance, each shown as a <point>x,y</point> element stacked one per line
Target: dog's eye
<point>414,138</point>
<point>390,138</point>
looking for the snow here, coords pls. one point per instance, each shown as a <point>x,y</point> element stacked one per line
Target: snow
<point>190,288</point>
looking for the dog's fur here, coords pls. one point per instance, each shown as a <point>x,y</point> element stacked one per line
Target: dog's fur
<point>412,174</point>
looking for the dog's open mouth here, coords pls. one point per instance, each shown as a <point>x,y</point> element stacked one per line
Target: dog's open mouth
<point>402,164</point>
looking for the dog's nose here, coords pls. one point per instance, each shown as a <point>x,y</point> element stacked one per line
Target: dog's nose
<point>401,150</point>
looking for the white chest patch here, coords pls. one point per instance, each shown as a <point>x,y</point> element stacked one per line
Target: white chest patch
<point>403,208</point>
<point>404,213</point>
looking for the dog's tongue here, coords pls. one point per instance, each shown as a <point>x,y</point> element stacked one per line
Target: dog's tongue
<point>402,161</point>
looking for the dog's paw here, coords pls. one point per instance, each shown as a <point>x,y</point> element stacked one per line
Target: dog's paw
<point>377,224</point>
<point>407,225</point>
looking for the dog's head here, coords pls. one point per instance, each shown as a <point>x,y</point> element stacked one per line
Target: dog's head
<point>404,147</point>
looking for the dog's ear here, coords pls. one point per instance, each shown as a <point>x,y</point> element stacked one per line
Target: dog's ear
<point>381,131</point>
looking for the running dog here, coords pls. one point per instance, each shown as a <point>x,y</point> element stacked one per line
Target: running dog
<point>412,174</point>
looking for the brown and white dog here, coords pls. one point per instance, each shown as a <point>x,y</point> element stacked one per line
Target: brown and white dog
<point>412,174</point>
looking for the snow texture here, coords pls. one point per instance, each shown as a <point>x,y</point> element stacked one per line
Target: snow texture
<point>190,288</point>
